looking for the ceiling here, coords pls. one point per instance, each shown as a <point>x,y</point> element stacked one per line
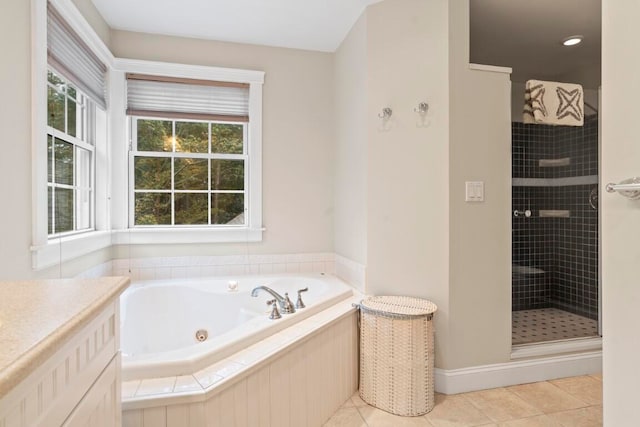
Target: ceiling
<point>303,24</point>
<point>522,34</point>
<point>526,35</point>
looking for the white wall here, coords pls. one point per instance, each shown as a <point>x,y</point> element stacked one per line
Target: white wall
<point>297,138</point>
<point>350,169</point>
<point>620,217</point>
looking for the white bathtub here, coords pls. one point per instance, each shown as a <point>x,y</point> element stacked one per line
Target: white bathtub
<point>159,319</point>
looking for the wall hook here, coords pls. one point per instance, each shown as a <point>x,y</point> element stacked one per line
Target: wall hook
<point>422,108</point>
<point>386,113</point>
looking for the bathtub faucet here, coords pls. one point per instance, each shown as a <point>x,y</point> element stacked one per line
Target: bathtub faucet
<point>286,306</point>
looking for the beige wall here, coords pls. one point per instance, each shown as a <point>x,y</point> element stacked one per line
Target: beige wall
<point>15,161</point>
<point>620,217</point>
<point>298,133</point>
<point>480,233</point>
<point>93,17</point>
<point>422,239</point>
<point>351,142</point>
<point>407,164</point>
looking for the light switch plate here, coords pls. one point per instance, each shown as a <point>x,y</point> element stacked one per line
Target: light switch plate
<point>474,191</point>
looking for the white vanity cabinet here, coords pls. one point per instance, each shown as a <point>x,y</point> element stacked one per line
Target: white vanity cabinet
<point>72,376</point>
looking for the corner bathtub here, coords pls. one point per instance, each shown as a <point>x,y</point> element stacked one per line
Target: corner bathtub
<point>159,319</point>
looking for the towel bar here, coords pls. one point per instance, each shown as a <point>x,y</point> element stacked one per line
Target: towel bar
<point>629,188</point>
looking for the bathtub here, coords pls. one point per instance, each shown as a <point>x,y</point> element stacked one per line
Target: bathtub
<point>160,319</point>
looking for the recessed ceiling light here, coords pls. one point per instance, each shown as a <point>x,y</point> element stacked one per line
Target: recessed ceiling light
<point>572,40</point>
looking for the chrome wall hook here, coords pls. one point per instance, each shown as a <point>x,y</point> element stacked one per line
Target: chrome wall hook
<point>422,108</point>
<point>386,113</point>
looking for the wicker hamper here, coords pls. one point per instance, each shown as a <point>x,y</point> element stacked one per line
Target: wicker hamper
<point>396,354</point>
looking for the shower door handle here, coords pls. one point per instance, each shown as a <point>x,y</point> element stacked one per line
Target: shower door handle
<point>526,213</point>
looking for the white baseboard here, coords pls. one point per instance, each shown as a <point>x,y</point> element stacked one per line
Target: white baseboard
<point>463,380</point>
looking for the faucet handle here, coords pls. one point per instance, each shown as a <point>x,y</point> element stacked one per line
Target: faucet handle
<point>287,305</point>
<point>299,303</point>
<point>275,314</point>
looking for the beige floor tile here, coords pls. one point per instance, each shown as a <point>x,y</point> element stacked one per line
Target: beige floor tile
<point>455,411</point>
<point>537,421</point>
<point>347,417</point>
<point>586,388</point>
<point>375,417</point>
<point>546,397</point>
<point>357,400</point>
<point>597,376</point>
<point>347,404</point>
<point>501,405</point>
<point>582,417</point>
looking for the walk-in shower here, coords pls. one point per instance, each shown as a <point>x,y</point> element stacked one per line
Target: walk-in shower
<point>555,248</point>
<point>555,168</point>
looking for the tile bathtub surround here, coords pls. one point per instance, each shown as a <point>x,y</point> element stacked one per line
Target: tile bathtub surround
<point>234,265</point>
<point>568,402</point>
<point>564,249</point>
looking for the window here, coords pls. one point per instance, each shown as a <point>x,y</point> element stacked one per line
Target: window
<point>194,157</point>
<point>70,180</point>
<point>70,158</point>
<point>188,172</point>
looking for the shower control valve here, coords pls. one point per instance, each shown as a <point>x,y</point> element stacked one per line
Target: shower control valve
<point>525,213</point>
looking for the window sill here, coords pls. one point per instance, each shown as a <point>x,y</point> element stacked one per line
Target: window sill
<point>67,248</point>
<point>142,236</point>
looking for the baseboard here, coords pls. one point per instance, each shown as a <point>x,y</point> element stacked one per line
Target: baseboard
<point>463,380</point>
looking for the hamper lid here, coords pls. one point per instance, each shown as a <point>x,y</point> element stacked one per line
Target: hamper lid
<point>398,306</point>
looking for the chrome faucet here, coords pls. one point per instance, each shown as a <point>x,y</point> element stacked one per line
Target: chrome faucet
<point>286,306</point>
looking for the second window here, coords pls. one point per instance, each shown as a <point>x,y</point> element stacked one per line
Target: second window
<point>188,173</point>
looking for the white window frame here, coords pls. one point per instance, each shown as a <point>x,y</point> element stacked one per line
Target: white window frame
<point>111,187</point>
<point>47,252</point>
<point>252,230</point>
<point>210,155</point>
<point>85,140</point>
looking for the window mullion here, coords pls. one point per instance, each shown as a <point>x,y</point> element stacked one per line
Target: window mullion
<point>53,188</point>
<point>173,172</point>
<point>76,210</point>
<point>209,177</point>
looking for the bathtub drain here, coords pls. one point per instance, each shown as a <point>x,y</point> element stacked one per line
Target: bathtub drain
<point>202,335</point>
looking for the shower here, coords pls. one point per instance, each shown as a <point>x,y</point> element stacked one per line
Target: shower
<point>555,284</point>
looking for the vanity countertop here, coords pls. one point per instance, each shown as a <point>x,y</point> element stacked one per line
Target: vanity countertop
<point>38,316</point>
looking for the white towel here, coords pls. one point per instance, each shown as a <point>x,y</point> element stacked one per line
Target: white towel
<point>553,103</point>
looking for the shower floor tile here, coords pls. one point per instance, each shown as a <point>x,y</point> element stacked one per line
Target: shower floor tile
<point>549,324</point>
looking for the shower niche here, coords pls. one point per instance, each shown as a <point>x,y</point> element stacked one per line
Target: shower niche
<point>555,288</point>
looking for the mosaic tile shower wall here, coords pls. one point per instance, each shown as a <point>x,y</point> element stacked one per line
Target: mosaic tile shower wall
<point>555,258</point>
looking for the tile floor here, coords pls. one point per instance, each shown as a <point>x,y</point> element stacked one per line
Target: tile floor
<point>549,324</point>
<point>567,402</point>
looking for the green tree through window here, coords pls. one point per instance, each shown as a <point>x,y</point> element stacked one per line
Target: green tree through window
<point>188,172</point>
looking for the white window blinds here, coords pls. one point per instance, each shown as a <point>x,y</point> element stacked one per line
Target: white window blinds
<point>72,58</point>
<point>158,96</point>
